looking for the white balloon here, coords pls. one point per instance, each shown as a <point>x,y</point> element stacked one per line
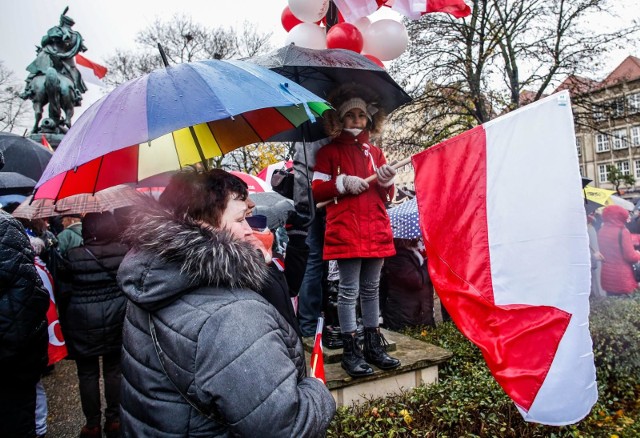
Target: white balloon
<point>385,39</point>
<point>309,11</point>
<point>362,24</point>
<point>307,35</point>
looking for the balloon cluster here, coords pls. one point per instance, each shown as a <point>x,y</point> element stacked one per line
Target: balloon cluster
<point>305,22</point>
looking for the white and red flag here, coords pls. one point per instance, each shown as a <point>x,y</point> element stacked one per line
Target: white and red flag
<point>91,72</point>
<point>505,232</point>
<point>57,347</point>
<point>352,10</point>
<point>46,143</point>
<point>317,360</point>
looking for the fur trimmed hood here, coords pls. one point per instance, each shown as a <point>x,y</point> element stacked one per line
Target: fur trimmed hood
<point>172,255</point>
<point>333,126</point>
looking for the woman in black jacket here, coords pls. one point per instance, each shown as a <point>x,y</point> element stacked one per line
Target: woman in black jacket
<point>92,320</point>
<point>204,355</point>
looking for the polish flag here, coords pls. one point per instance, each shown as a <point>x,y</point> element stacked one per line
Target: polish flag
<point>352,10</point>
<point>414,9</point>
<point>317,360</point>
<point>91,72</point>
<point>45,143</point>
<point>506,236</point>
<point>57,347</point>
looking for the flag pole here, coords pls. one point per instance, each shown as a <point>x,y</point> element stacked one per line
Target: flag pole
<point>370,178</point>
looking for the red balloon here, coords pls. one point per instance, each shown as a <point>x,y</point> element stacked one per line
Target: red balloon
<point>374,59</point>
<point>345,36</point>
<point>289,21</point>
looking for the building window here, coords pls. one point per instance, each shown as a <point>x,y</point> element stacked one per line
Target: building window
<point>581,170</point>
<point>579,146</point>
<point>623,166</point>
<point>617,107</point>
<point>598,113</point>
<point>602,142</point>
<point>619,139</point>
<point>636,169</point>
<point>602,173</point>
<point>633,103</point>
<point>635,136</point>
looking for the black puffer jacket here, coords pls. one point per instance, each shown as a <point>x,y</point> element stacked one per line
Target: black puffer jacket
<point>23,307</point>
<point>93,314</point>
<point>224,346</point>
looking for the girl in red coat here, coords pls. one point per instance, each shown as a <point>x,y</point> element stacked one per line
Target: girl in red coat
<point>358,232</point>
<point>617,248</point>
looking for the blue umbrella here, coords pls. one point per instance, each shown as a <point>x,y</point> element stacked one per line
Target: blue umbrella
<point>405,222</point>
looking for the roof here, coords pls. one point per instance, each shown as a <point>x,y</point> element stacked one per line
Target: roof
<point>628,70</point>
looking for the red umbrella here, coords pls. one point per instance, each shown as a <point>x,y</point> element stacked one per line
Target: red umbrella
<point>255,184</point>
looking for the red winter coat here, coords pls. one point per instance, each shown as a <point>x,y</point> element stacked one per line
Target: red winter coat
<point>617,274</point>
<point>357,226</point>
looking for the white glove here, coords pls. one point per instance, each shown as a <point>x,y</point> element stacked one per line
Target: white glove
<point>386,175</point>
<point>352,185</point>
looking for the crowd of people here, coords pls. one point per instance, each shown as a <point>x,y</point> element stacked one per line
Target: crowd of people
<point>181,308</point>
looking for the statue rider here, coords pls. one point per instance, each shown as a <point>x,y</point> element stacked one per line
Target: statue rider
<point>59,47</point>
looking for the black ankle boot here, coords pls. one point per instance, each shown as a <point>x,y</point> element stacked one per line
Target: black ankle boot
<point>352,360</point>
<point>375,352</point>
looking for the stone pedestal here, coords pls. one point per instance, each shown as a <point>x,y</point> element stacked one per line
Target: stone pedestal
<point>53,139</point>
<point>419,366</point>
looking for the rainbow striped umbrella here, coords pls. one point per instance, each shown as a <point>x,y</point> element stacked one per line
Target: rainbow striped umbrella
<point>174,117</point>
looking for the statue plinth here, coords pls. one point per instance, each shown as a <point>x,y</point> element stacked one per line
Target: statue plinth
<point>53,139</point>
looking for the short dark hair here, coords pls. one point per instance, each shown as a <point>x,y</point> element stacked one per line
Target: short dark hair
<point>203,195</point>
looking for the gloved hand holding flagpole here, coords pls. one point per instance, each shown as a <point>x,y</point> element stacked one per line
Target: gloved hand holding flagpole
<point>317,361</point>
<point>373,177</point>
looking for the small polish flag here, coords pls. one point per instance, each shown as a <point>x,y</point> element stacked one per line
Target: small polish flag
<point>511,262</point>
<point>317,360</point>
<point>46,144</point>
<point>90,71</point>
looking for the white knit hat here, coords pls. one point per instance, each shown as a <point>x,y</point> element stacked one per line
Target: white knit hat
<point>350,104</point>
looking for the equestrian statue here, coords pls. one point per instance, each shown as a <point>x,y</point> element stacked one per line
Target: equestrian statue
<point>54,79</point>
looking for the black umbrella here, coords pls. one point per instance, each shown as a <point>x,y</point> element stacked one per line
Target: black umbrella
<point>15,183</point>
<point>23,155</point>
<point>320,71</point>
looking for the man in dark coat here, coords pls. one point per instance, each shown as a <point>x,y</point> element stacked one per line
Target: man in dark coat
<point>23,330</point>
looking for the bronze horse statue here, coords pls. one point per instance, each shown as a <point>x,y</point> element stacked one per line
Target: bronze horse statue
<point>53,77</point>
<point>59,92</point>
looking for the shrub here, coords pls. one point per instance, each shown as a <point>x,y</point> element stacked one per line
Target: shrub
<point>467,401</point>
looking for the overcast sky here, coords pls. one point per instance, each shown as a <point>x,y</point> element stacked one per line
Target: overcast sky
<point>107,25</point>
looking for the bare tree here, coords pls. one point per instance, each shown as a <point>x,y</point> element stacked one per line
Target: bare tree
<point>467,71</point>
<point>183,40</point>
<point>13,109</point>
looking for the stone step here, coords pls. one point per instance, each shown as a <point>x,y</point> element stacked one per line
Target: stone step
<point>334,355</point>
<point>419,365</point>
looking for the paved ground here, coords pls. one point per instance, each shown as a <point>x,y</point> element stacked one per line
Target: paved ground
<point>65,413</point>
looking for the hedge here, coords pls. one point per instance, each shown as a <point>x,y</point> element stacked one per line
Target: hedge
<point>467,401</point>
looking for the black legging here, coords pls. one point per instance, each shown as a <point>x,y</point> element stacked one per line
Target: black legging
<point>89,382</point>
